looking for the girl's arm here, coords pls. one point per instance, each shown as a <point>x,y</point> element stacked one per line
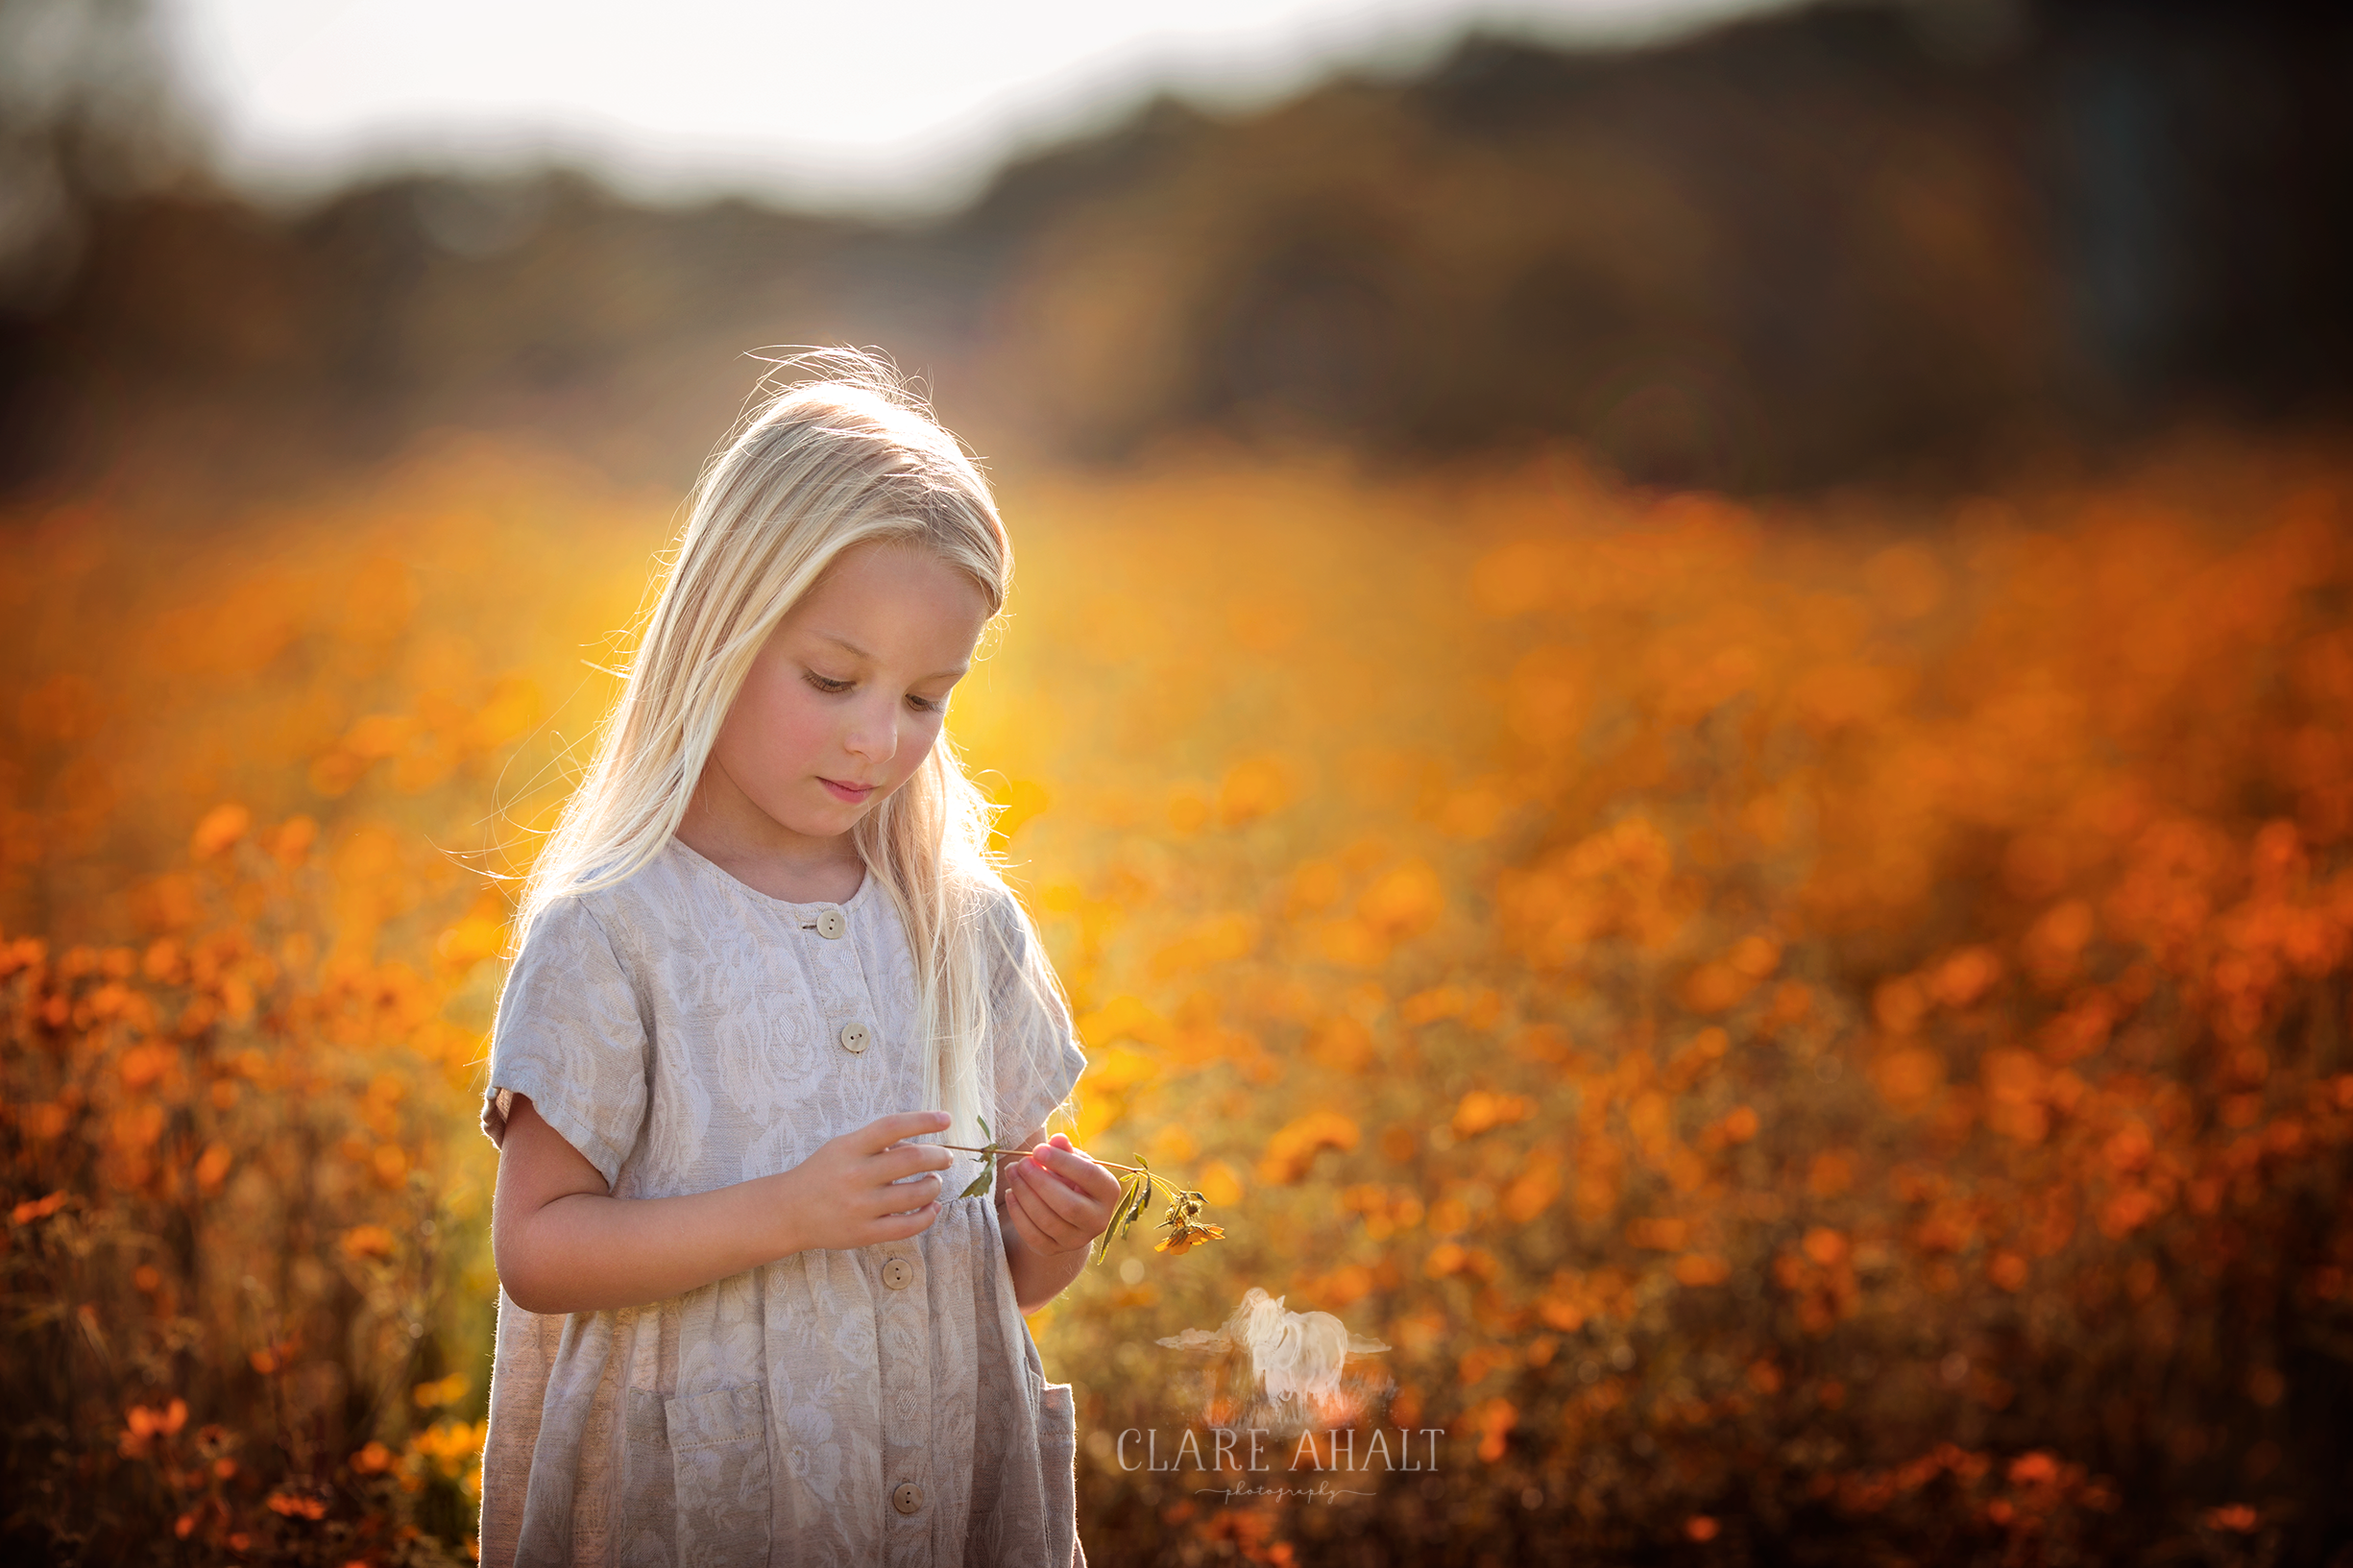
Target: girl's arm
<point>1055,1208</point>
<point>563,1244</point>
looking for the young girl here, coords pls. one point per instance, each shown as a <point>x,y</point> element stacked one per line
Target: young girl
<point>744,1316</point>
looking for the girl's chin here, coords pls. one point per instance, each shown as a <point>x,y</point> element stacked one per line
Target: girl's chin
<point>826,818</point>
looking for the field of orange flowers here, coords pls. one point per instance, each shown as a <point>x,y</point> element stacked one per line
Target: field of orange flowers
<point>1816,1033</point>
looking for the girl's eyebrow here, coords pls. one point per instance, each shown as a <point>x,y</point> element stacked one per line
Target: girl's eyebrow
<point>958,673</point>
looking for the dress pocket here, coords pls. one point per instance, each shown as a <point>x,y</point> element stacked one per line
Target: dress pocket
<point>1058,1457</point>
<point>719,1461</point>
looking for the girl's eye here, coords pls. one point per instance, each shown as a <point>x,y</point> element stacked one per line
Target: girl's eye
<point>834,688</point>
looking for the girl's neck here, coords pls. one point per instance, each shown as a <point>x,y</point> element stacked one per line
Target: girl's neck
<point>809,871</point>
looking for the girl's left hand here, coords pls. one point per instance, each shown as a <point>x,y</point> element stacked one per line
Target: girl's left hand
<point>1057,1199</point>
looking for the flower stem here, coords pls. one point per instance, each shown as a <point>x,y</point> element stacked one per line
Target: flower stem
<point>1019,1153</point>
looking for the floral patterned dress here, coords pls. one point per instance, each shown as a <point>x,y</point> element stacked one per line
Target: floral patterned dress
<point>884,1404</point>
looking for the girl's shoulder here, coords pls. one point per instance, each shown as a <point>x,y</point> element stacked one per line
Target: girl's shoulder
<point>996,909</point>
<point>1009,938</point>
<point>619,911</point>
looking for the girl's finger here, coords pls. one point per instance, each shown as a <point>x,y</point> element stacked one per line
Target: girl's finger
<point>915,1220</point>
<point>900,1159</point>
<point>884,1131</point>
<point>1077,1172</point>
<point>894,1197</point>
<point>1019,1218</point>
<point>1049,1236</point>
<point>1061,1201</point>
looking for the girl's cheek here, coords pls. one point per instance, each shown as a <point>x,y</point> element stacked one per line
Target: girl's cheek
<point>798,736</point>
<point>915,747</point>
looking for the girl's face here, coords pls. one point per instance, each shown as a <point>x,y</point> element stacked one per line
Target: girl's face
<point>847,697</point>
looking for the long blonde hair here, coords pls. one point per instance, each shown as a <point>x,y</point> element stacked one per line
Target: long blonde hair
<point>845,457</point>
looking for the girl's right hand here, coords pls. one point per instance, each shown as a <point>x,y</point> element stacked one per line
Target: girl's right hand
<point>849,1193</point>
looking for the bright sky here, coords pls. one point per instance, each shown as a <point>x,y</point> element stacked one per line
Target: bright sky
<point>872,105</point>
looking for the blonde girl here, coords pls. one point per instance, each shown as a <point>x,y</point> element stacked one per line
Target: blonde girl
<point>765,967</point>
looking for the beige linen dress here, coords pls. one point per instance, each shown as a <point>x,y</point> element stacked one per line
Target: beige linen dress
<point>684,1031</point>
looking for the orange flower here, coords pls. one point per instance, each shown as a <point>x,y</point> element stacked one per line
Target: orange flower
<point>367,1241</point>
<point>142,1425</point>
<point>25,1213</point>
<point>1295,1146</point>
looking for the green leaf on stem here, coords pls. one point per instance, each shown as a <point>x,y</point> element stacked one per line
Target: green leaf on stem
<point>1132,1188</point>
<point>982,1183</point>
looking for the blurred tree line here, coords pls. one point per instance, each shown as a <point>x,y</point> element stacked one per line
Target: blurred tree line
<point>1847,240</point>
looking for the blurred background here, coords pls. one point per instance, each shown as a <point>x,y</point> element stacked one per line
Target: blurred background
<point>1679,706</point>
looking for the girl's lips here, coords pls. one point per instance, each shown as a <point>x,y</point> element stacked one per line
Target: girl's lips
<point>846,792</point>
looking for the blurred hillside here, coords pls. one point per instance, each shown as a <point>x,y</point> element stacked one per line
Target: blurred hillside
<point>1852,240</point>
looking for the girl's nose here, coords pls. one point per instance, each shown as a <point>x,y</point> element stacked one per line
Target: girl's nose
<point>874,732</point>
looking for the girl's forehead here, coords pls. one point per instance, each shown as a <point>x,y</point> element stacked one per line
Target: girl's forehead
<point>884,592</point>
<point>879,571</point>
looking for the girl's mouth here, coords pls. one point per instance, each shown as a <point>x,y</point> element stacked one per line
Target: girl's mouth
<point>849,794</point>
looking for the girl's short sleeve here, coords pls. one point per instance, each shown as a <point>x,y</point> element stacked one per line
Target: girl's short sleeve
<point>1038,1056</point>
<point>570,1036</point>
